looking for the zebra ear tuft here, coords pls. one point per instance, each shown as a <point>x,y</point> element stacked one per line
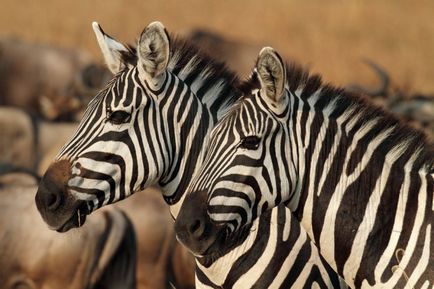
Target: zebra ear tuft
<point>154,49</point>
<point>111,49</point>
<point>272,74</point>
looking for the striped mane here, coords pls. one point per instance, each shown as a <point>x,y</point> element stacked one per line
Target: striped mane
<point>358,107</point>
<point>209,79</point>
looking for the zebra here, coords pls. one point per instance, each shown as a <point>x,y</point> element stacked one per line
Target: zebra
<point>147,127</point>
<point>359,181</point>
<point>274,252</point>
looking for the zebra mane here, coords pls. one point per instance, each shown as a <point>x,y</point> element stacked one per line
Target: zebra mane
<point>208,78</point>
<point>402,135</point>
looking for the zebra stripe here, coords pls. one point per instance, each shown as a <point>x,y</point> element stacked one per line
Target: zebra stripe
<point>161,143</point>
<point>359,181</point>
<point>164,139</point>
<point>277,253</point>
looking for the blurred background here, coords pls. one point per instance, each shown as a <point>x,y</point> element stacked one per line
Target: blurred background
<point>51,66</point>
<point>329,36</point>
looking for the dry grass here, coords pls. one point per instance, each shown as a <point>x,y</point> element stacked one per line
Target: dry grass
<point>330,36</point>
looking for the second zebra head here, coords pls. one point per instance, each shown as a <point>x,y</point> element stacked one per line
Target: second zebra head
<point>224,197</point>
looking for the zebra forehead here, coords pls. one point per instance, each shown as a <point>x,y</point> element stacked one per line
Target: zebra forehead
<point>244,118</point>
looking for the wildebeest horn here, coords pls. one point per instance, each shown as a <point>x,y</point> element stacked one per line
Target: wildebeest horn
<point>381,90</point>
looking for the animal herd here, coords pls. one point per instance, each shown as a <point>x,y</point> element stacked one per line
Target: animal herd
<point>179,174</point>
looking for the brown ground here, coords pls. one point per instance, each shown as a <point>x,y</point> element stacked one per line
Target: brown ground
<point>330,36</point>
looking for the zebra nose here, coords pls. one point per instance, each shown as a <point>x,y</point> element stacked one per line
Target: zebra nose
<point>49,196</point>
<point>192,222</point>
<point>52,189</point>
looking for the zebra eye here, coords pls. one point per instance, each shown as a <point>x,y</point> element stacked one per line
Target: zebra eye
<point>250,142</point>
<point>119,117</point>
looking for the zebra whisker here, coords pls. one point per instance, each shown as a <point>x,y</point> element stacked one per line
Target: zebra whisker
<point>78,216</point>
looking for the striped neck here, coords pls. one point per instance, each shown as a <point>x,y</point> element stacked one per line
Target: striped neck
<point>192,121</point>
<point>358,168</point>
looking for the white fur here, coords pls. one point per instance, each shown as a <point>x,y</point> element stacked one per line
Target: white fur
<point>110,49</point>
<point>153,51</point>
<point>271,72</point>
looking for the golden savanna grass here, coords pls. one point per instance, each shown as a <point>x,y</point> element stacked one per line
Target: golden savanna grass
<point>329,36</point>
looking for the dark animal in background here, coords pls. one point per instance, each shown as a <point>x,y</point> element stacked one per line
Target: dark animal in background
<point>417,108</point>
<point>160,258</point>
<point>101,255</point>
<point>238,55</point>
<point>51,82</point>
<point>26,140</point>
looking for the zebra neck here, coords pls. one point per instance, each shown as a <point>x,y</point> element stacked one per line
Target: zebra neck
<point>195,123</point>
<point>248,244</point>
<point>359,181</point>
<point>187,157</point>
<point>275,254</point>
<point>345,147</point>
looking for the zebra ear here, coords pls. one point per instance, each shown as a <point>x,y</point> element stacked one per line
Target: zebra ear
<point>153,50</point>
<point>272,74</point>
<point>111,49</point>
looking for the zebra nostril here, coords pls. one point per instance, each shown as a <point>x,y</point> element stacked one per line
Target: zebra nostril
<point>197,229</point>
<point>53,200</point>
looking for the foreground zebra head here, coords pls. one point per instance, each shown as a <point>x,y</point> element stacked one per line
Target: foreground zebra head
<point>241,145</point>
<point>135,132</point>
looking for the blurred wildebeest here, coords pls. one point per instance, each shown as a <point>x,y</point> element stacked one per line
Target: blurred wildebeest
<point>101,255</point>
<point>24,140</point>
<point>30,246</point>
<point>239,56</point>
<point>51,82</point>
<point>161,259</point>
<point>416,108</point>
<point>17,138</point>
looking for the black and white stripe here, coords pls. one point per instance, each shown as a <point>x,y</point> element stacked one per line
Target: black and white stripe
<point>138,132</point>
<point>141,131</point>
<point>360,182</point>
<point>275,252</point>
